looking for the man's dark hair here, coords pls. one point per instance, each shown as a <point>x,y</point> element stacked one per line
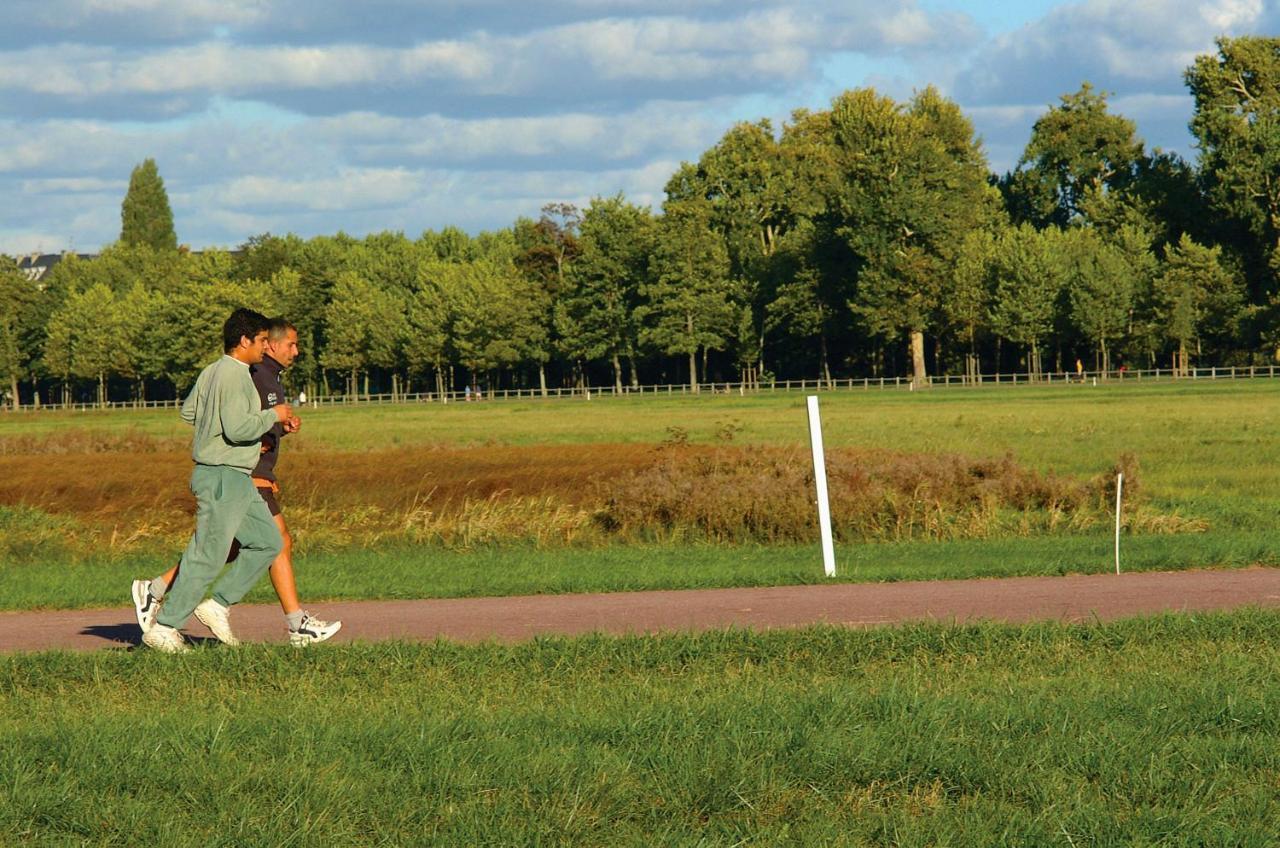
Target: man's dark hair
<point>243,323</point>
<point>279,327</point>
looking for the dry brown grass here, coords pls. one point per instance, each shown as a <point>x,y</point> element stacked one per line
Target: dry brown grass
<point>85,441</point>
<point>766,494</point>
<point>134,492</point>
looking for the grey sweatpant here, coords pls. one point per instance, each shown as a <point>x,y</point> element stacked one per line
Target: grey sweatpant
<point>227,507</point>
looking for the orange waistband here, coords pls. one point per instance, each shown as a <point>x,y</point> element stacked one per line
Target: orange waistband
<point>262,483</point>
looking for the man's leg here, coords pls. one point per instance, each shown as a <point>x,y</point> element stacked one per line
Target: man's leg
<point>260,543</point>
<point>282,572</point>
<point>224,497</point>
<point>282,566</point>
<point>148,595</point>
<point>304,628</point>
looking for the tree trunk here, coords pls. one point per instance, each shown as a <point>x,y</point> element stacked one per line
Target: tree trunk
<point>759,359</point>
<point>13,388</point>
<point>693,354</point>
<point>366,385</point>
<point>822,349</point>
<point>919,377</point>
<point>704,362</point>
<point>102,389</point>
<point>395,386</point>
<point>542,378</point>
<point>631,366</point>
<point>617,375</point>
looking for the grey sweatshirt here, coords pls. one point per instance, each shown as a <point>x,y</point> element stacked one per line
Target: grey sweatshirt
<point>228,417</point>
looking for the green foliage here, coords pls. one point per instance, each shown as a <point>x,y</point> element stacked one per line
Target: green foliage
<point>1237,126</point>
<point>498,316</point>
<point>147,220</point>
<point>595,318</point>
<point>1076,147</point>
<point>89,337</point>
<point>1100,283</point>
<point>1029,271</point>
<point>1195,295</point>
<point>688,306</point>
<point>365,327</point>
<point>912,183</point>
<point>22,327</point>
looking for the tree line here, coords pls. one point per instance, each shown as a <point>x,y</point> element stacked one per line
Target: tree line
<point>869,238</point>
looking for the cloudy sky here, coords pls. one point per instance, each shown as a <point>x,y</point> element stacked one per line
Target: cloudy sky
<point>313,116</point>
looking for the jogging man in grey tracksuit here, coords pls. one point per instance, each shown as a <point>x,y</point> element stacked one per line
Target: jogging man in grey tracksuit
<point>229,424</point>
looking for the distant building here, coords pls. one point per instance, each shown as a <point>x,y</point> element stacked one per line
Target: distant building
<point>36,265</point>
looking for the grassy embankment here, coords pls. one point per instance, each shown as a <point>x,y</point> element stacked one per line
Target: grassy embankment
<point>510,497</point>
<point>1160,731</point>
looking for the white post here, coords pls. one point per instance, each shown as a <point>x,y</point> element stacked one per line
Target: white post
<point>820,479</point>
<point>1119,489</point>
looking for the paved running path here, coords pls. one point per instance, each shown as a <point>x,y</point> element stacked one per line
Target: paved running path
<point>1075,598</point>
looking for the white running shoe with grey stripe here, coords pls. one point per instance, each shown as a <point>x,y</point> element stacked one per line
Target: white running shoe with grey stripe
<point>312,630</point>
<point>145,605</point>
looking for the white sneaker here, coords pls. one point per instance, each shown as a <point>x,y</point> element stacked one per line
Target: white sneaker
<point>312,630</point>
<point>213,615</point>
<point>165,639</point>
<point>145,604</point>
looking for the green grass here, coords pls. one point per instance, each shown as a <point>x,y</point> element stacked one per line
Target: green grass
<point>1154,732</point>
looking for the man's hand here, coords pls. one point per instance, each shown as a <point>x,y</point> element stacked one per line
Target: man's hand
<point>293,424</point>
<point>283,412</point>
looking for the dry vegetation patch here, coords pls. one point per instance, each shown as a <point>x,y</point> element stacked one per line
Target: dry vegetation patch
<point>766,494</point>
<point>136,493</point>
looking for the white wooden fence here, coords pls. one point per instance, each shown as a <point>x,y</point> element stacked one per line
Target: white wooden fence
<point>710,390</point>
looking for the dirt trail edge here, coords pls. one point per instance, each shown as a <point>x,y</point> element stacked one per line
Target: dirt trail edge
<point>511,619</point>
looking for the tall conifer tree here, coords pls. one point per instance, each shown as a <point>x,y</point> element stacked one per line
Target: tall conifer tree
<point>146,218</point>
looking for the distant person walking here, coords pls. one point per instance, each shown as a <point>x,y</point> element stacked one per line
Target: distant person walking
<point>1079,370</point>
<point>304,629</point>
<point>229,424</point>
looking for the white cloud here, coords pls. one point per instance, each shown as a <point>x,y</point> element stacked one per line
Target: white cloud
<point>348,189</point>
<point>578,60</point>
<point>313,115</point>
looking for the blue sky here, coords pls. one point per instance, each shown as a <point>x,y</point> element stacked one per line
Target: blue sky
<point>312,116</point>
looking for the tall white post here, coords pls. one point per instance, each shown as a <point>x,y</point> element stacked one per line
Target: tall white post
<point>820,479</point>
<point>1119,490</point>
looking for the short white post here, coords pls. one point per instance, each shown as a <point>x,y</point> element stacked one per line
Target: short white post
<point>1119,490</point>
<point>820,479</point>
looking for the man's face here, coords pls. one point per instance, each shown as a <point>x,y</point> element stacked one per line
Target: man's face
<point>284,350</point>
<point>254,349</point>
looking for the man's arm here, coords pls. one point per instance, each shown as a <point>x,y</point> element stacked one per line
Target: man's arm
<point>188,412</point>
<point>242,420</point>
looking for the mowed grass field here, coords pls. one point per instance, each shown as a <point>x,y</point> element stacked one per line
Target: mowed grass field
<point>1151,732</point>
<point>506,497</point>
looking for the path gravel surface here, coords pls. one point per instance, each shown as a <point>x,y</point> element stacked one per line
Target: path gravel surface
<point>511,619</point>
